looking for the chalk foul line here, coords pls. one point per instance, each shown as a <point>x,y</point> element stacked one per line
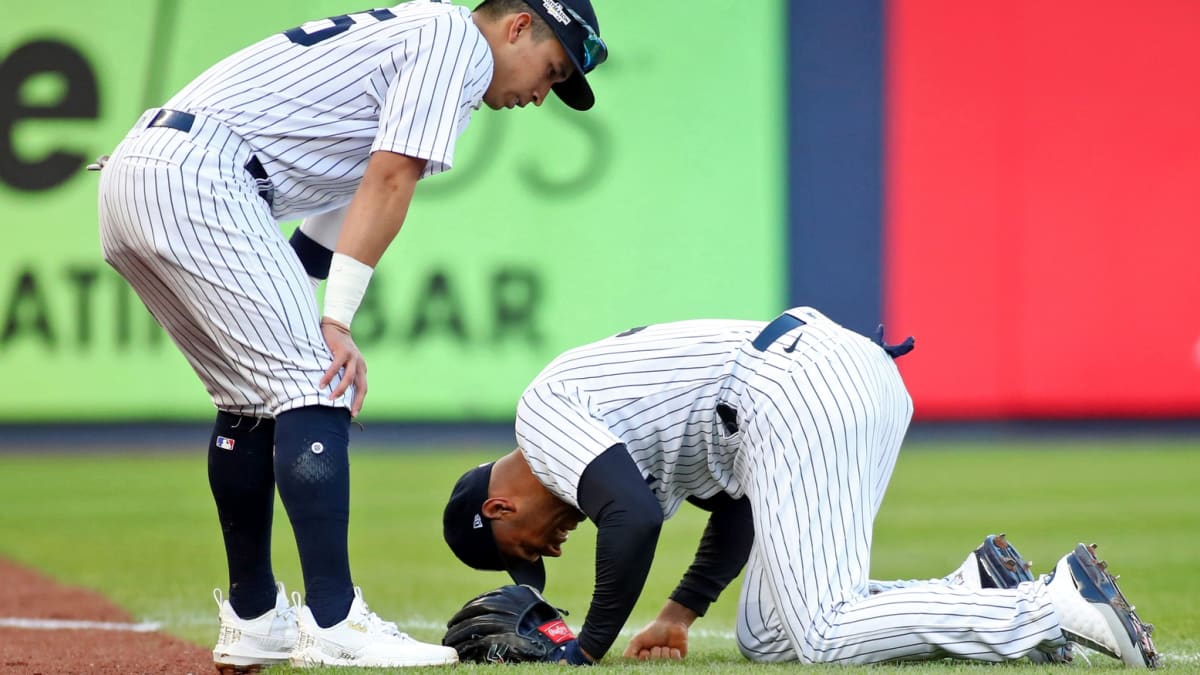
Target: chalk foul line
<point>61,624</point>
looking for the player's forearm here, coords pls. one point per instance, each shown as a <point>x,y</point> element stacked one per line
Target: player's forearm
<point>673,612</point>
<point>374,217</point>
<point>625,543</point>
<point>723,551</point>
<point>628,519</point>
<point>379,206</point>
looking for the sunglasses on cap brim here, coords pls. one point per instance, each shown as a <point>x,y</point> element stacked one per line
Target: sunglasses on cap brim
<point>595,51</point>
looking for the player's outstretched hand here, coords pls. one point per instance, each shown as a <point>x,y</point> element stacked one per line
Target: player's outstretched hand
<point>347,358</point>
<point>660,639</point>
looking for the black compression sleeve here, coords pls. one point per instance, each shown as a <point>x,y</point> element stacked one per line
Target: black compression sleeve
<point>614,495</point>
<point>723,552</point>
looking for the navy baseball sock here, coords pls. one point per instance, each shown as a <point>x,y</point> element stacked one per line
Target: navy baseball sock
<point>242,477</point>
<point>312,470</point>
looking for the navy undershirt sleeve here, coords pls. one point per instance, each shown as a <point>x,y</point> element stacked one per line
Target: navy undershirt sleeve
<point>723,552</point>
<point>628,518</point>
<point>315,257</point>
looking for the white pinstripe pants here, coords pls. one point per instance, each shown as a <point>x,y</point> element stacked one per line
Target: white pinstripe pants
<point>181,220</point>
<point>822,426</point>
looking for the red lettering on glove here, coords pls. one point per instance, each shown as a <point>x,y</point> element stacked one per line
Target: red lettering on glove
<point>557,631</point>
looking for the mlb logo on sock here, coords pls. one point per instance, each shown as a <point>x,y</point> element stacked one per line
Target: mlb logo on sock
<point>224,443</point>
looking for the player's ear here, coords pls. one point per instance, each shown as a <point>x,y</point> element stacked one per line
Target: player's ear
<point>519,23</point>
<point>496,508</point>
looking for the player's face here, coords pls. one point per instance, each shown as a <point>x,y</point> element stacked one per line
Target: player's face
<point>525,69</point>
<point>539,527</point>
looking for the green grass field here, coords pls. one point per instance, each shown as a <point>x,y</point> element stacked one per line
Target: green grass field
<point>142,529</point>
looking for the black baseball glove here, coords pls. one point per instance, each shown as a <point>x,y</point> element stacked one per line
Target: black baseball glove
<point>512,624</point>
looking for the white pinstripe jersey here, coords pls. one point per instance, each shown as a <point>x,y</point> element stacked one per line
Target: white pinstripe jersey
<point>314,102</point>
<point>655,390</point>
<point>823,412</point>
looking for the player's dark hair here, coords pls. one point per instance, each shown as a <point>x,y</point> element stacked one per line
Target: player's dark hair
<point>498,9</point>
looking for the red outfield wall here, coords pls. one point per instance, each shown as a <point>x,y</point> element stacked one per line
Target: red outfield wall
<point>1042,219</point>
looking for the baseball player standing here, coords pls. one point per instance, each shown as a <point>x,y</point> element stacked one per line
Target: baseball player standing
<point>787,432</point>
<point>336,119</point>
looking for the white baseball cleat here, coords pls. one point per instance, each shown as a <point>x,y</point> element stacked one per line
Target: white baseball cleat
<point>246,645</point>
<point>1094,613</point>
<point>362,639</point>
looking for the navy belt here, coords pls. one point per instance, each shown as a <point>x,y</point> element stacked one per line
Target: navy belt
<point>787,322</point>
<point>173,119</point>
<point>182,121</point>
<point>775,329</point>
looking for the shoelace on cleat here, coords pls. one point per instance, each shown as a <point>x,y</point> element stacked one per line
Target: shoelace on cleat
<point>288,614</point>
<point>389,627</point>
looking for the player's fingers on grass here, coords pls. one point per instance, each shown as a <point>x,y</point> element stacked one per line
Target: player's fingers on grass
<point>669,653</point>
<point>658,654</point>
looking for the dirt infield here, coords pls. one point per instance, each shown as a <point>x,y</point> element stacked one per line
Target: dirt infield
<point>37,636</point>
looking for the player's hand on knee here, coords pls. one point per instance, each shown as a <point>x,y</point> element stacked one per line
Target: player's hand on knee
<point>348,360</point>
<point>659,640</point>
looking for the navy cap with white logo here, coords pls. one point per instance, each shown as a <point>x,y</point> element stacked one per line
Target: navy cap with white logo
<point>470,536</point>
<point>574,24</point>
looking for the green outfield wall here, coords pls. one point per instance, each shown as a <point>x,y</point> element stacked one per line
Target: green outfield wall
<point>554,228</point>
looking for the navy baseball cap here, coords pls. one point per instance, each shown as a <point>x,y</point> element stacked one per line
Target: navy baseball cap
<point>574,24</point>
<point>470,536</point>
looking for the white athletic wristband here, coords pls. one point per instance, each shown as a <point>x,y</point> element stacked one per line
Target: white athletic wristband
<point>348,279</point>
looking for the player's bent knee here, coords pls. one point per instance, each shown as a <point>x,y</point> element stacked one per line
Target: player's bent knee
<point>763,651</point>
<point>311,444</point>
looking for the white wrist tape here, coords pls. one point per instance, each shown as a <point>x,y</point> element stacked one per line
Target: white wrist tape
<point>348,279</point>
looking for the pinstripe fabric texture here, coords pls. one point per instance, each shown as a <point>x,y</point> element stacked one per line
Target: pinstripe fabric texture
<point>183,222</point>
<point>822,412</point>
<point>655,390</point>
<point>314,112</point>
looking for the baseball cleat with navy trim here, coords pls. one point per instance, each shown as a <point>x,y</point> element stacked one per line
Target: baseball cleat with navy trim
<point>1000,565</point>
<point>1093,611</point>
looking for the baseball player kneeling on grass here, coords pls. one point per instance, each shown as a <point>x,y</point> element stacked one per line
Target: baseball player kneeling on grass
<point>334,121</point>
<point>787,432</point>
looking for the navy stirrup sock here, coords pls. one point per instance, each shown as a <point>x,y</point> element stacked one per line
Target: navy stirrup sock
<point>312,471</point>
<point>241,475</point>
